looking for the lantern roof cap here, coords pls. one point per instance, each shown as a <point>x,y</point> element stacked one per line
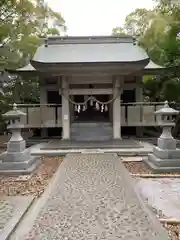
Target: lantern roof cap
<point>167,110</point>
<point>14,113</point>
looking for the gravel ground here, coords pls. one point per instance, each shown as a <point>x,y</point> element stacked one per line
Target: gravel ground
<point>173,230</point>
<point>35,185</point>
<point>137,167</point>
<point>140,167</point>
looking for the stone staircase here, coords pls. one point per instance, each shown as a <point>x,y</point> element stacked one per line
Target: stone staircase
<point>91,131</point>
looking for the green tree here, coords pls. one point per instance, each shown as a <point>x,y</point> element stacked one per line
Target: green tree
<point>158,32</point>
<point>118,31</point>
<point>21,24</point>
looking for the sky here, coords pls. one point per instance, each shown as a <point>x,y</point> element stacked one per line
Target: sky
<point>95,17</point>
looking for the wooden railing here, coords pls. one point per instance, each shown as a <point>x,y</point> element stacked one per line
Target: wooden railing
<point>140,113</point>
<point>132,114</point>
<point>41,115</point>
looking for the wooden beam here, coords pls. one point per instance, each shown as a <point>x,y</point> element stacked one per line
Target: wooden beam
<point>89,73</point>
<point>90,91</point>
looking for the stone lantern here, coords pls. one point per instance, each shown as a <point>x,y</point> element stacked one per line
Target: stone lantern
<point>13,119</point>
<point>165,156</point>
<point>166,140</point>
<point>17,159</point>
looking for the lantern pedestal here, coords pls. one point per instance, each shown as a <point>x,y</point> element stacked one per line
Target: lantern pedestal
<point>165,156</point>
<point>17,159</point>
<point>164,161</point>
<point>17,164</point>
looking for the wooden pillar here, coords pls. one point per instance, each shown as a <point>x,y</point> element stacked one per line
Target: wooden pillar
<point>65,110</point>
<point>139,98</point>
<point>43,100</point>
<point>116,109</point>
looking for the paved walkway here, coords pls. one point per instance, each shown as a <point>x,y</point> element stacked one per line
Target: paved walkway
<point>12,210</point>
<point>93,198</point>
<point>162,194</point>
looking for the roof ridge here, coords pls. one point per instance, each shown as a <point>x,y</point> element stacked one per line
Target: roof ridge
<point>89,40</point>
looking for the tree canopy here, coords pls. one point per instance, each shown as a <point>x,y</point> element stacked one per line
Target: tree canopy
<point>21,25</point>
<point>158,32</point>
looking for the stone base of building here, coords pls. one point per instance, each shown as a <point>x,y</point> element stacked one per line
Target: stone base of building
<point>18,163</point>
<point>70,144</point>
<point>162,164</point>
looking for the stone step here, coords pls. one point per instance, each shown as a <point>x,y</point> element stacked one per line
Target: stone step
<point>112,143</point>
<point>97,131</point>
<point>91,136</point>
<point>92,124</point>
<point>91,131</point>
<point>91,139</point>
<point>94,130</point>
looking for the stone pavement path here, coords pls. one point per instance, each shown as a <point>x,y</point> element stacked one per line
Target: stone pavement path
<point>163,194</point>
<point>93,198</point>
<point>12,210</point>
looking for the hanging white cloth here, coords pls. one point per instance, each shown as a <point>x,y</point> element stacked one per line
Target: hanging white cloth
<point>97,105</point>
<point>102,108</point>
<point>84,107</point>
<point>76,108</point>
<point>79,108</point>
<point>91,102</point>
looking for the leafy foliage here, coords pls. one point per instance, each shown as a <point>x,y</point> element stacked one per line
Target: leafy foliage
<point>22,24</point>
<point>119,31</point>
<point>158,31</point>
